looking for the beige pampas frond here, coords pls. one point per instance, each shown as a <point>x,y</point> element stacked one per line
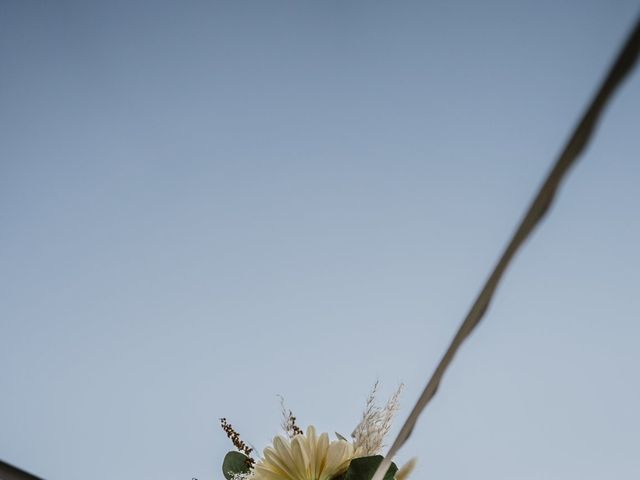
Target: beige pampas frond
<point>406,469</point>
<point>368,436</point>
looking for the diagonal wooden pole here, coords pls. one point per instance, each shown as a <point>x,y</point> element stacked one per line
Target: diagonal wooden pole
<point>9,472</point>
<point>623,64</point>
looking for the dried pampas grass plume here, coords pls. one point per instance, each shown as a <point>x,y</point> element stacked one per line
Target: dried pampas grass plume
<point>406,469</point>
<point>368,436</point>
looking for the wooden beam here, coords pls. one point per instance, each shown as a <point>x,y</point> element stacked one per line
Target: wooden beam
<point>9,472</point>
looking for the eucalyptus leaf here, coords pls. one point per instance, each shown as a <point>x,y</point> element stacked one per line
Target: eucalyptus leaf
<point>363,468</point>
<point>234,462</point>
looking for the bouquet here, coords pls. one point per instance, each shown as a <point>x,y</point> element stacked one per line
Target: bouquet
<point>304,455</point>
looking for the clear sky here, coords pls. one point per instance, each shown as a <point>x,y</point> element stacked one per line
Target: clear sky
<point>205,204</point>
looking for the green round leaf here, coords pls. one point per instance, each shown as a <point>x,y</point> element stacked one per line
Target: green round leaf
<point>363,468</point>
<point>234,462</point>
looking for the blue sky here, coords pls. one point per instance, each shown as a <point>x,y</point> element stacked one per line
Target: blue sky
<point>207,204</point>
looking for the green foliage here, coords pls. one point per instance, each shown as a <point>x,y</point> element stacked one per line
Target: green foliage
<point>363,468</point>
<point>235,462</point>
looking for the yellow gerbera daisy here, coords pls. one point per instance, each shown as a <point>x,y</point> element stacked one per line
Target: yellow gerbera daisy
<point>304,457</point>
